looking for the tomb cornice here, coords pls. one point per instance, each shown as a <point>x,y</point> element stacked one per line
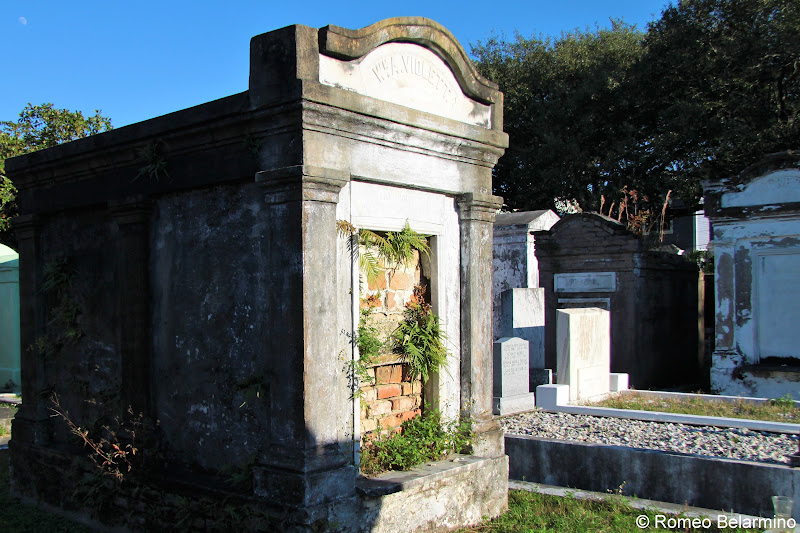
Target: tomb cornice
<point>353,109</point>
<point>302,182</point>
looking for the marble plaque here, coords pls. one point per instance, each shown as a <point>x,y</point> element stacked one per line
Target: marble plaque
<point>586,282</point>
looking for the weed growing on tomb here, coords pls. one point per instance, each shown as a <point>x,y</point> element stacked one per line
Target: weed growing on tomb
<point>369,347</point>
<point>153,164</point>
<point>57,280</point>
<point>419,339</point>
<point>395,248</point>
<point>111,457</point>
<point>423,438</point>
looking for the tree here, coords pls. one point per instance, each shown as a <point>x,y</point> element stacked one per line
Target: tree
<point>720,88</point>
<point>618,117</point>
<point>566,109</point>
<point>38,127</point>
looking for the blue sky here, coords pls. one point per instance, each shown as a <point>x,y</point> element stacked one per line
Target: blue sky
<point>139,59</point>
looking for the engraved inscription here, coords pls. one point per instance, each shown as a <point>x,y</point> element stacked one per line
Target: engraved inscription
<point>410,65</point>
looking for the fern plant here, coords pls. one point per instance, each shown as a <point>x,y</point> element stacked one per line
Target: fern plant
<point>396,248</point>
<point>419,339</point>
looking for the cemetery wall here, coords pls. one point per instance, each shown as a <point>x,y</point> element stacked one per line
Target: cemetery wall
<point>588,260</point>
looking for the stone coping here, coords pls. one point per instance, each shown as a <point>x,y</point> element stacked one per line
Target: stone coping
<point>707,397</point>
<point>424,474</point>
<point>674,418</point>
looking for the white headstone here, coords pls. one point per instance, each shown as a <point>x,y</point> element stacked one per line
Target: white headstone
<point>583,351</point>
<point>511,391</point>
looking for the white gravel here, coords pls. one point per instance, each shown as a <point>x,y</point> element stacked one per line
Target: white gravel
<point>730,443</point>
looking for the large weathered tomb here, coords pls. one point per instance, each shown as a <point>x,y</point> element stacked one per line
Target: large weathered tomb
<point>189,268</point>
<point>755,222</point>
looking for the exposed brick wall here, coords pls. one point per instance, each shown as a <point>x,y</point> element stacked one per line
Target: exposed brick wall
<point>391,397</point>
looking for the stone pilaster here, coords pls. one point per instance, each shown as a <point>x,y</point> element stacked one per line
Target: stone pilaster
<point>476,213</point>
<point>308,464</point>
<point>30,423</point>
<point>132,217</point>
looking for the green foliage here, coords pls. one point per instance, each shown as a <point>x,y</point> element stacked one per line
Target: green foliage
<point>369,342</point>
<point>709,89</point>
<point>396,248</point>
<point>423,438</point>
<point>727,90</point>
<point>153,164</point>
<point>63,327</point>
<point>369,347</point>
<point>703,258</point>
<point>419,340</point>
<point>38,127</point>
<point>566,108</point>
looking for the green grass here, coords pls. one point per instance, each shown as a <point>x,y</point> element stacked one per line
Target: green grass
<point>777,410</point>
<point>531,512</point>
<point>17,517</point>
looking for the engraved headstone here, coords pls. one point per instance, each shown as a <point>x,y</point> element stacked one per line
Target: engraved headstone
<point>511,390</point>
<point>583,351</point>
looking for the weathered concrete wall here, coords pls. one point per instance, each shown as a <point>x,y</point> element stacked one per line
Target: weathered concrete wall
<point>588,260</point>
<point>737,486</point>
<point>755,219</point>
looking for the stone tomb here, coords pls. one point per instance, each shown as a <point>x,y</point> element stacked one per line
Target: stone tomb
<point>214,295</point>
<point>511,382</point>
<point>583,352</point>
<point>755,218</point>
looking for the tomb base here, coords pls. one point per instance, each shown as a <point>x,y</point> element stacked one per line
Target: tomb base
<point>509,405</point>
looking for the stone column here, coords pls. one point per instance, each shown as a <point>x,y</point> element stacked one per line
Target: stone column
<point>133,302</point>
<point>309,465</point>
<point>476,213</point>
<point>30,423</point>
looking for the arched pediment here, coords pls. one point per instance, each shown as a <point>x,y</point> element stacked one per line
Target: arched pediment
<point>410,61</point>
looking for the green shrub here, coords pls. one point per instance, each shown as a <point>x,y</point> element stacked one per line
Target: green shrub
<point>422,438</point>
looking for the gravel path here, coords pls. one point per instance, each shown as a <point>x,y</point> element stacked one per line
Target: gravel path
<point>731,443</point>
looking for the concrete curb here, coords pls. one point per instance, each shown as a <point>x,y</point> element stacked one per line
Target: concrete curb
<point>698,481</point>
<point>636,503</point>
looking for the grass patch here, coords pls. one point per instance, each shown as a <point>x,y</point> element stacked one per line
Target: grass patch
<point>532,512</point>
<point>18,517</point>
<point>777,410</point>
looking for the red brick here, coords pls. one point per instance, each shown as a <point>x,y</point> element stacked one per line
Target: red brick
<point>391,301</point>
<point>368,425</point>
<point>391,421</point>
<point>387,391</point>
<point>408,415</point>
<point>403,404</point>
<point>389,374</point>
<point>378,283</point>
<point>401,281</point>
<point>406,388</point>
